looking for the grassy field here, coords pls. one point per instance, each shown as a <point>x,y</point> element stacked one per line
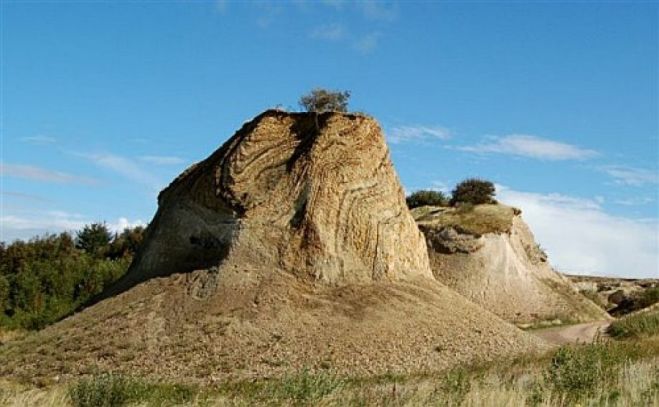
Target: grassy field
<point>642,324</point>
<point>612,373</point>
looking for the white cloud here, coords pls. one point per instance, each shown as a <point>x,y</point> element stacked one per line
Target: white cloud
<point>122,223</point>
<point>581,237</point>
<point>329,32</point>
<point>367,43</point>
<point>404,134</point>
<point>162,159</point>
<point>24,196</point>
<point>31,224</point>
<point>632,176</point>
<point>379,10</point>
<point>531,146</point>
<point>221,6</point>
<point>634,201</point>
<point>42,174</point>
<point>124,167</point>
<point>39,139</point>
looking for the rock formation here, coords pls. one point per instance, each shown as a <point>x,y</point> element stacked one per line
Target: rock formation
<point>309,195</point>
<point>488,254</point>
<point>289,247</point>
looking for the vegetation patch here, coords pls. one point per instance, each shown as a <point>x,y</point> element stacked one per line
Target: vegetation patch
<point>114,390</point>
<point>636,325</point>
<point>47,278</point>
<point>472,219</point>
<point>426,198</point>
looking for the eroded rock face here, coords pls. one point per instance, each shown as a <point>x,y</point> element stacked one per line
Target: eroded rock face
<point>501,268</point>
<point>314,195</point>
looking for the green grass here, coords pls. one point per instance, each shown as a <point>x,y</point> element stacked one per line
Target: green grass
<point>471,219</point>
<point>115,390</point>
<point>636,325</point>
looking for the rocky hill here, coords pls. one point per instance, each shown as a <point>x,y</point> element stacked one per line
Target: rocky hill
<point>288,247</point>
<point>488,254</point>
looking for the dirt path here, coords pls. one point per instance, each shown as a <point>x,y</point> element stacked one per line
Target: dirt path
<point>582,333</point>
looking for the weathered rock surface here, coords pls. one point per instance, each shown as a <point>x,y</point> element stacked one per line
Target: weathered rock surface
<point>489,255</point>
<point>315,196</point>
<point>288,247</point>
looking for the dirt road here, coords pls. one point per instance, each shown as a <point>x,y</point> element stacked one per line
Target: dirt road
<point>581,333</point>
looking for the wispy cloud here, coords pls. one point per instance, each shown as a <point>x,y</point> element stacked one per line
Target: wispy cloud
<point>367,43</point>
<point>26,225</point>
<point>42,174</point>
<point>125,167</point>
<point>632,176</point>
<point>269,11</point>
<point>24,196</point>
<point>634,201</point>
<point>329,32</point>
<point>417,133</point>
<point>221,6</point>
<point>581,237</point>
<point>38,139</point>
<point>379,10</point>
<point>524,145</point>
<point>161,159</point>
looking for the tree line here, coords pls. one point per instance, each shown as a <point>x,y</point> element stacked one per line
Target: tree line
<point>46,278</point>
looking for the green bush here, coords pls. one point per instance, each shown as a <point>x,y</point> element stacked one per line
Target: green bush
<point>426,197</point>
<point>577,372</point>
<point>473,191</point>
<point>637,325</point>
<point>323,100</point>
<point>115,390</point>
<point>304,388</point>
<point>649,297</point>
<point>103,391</point>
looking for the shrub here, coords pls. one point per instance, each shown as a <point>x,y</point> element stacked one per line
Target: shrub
<point>106,390</point>
<point>649,297</point>
<point>474,191</point>
<point>426,197</point>
<point>633,326</point>
<point>115,390</point>
<point>323,100</point>
<point>577,372</point>
<point>304,388</point>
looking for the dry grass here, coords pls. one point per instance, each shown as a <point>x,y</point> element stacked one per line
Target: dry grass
<point>605,374</point>
<point>475,220</point>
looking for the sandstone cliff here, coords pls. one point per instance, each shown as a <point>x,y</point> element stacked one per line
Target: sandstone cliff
<point>488,254</point>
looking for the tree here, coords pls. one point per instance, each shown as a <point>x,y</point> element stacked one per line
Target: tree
<point>426,197</point>
<point>126,243</point>
<point>473,191</point>
<point>94,239</point>
<point>323,100</point>
<point>4,293</point>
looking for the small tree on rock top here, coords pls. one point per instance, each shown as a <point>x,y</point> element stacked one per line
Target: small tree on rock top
<point>473,191</point>
<point>323,100</point>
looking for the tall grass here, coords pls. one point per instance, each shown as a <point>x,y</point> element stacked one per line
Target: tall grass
<point>636,325</point>
<point>114,390</point>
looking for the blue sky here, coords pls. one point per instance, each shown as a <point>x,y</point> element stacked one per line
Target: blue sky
<point>103,103</point>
